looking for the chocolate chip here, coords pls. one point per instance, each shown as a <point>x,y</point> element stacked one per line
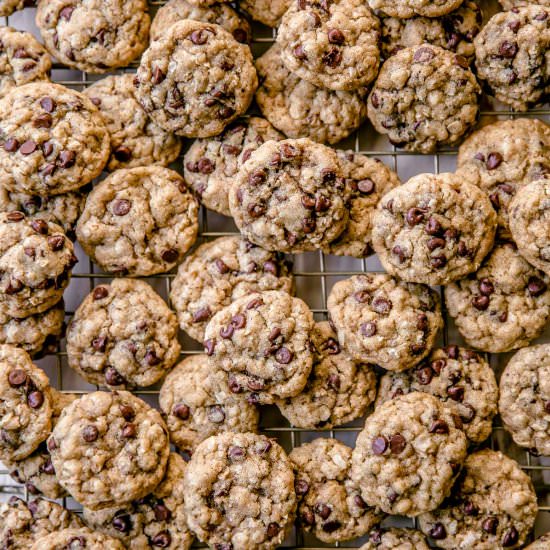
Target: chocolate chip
<point>238,321</point>
<point>283,356</point>
<point>100,292</point>
<point>331,346</point>
<point>423,55</point>
<point>35,399</point>
<point>181,411</point>
<point>121,207</point>
<point>536,286</point>
<point>414,216</point>
<point>322,510</point>
<point>271,267</point>
<point>422,322</point>
<point>274,334</point>
<point>47,467</point>
<point>467,413</point>
<point>56,242</point>
<point>439,261</point>
<point>240,35</point>
<point>113,377</point>
<point>47,149</point>
<point>331,526</point>
<point>322,204</point>
<point>494,160</point>
<point>470,509</point>
<point>127,412</point>
<point>44,120</point>
<point>226,112</point>
<point>162,513</point>
<point>307,517</point>
<point>11,145</point>
<point>336,36</point>
<point>490,524</point>
<point>236,453</point>
<point>28,147</point>
<point>368,329</point>
<point>199,37</point>
<point>435,243</point>
<point>397,444</point>
<point>40,226</point>
<point>381,305</point>
<point>481,302</point>
<point>308,225</point>
<point>511,537</point>
<point>424,375</point>
<point>51,444</point>
<point>508,49</point>
<point>216,414</point>
<point>439,427</point>
<point>486,287</point>
<point>209,346</point>
<point>254,303</point>
<point>359,502</point>
<point>66,12</point>
<point>379,445</point>
<point>158,76</point>
<point>256,210</point>
<point>14,287</point>
<point>438,532</point>
<point>362,296</point>
<point>170,255</point>
<point>17,378</point>
<point>30,252</point>
<point>122,523</point>
<point>123,153</point>
<point>162,539</point>
<point>456,393</point>
<point>129,431</point>
<point>299,52</point>
<point>273,530</point>
<point>99,343</point>
<point>433,227</point>
<point>334,382</point>
<point>332,58</point>
<point>221,266</point>
<point>90,434</point>
<point>227,332</point>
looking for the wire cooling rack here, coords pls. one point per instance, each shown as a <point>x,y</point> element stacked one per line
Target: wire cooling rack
<point>315,274</point>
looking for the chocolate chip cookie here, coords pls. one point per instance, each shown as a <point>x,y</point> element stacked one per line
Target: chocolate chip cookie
<point>408,455</point>
<point>541,543</point>
<point>504,305</point>
<point>458,377</point>
<point>493,506</point>
<point>196,79</point>
<point>300,109</point>
<point>290,196</point>
<point>239,492</point>
<point>395,539</point>
<point>135,139</point>
<point>7,7</point>
<point>512,56</point>
<point>76,538</point>
<point>221,271</point>
<point>52,140</point>
<point>434,229</point>
<point>385,321</point>
<point>268,12</point>
<point>424,97</point>
<point>94,36</point>
<point>339,389</point>
<point>406,9</point>
<point>123,335</point>
<point>196,403</point>
<point>211,164</point>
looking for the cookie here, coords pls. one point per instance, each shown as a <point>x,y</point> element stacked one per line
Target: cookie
<point>329,506</point>
<point>492,507</point>
<point>211,164</point>
<point>408,455</point>
<point>512,56</point>
<point>504,305</point>
<point>156,521</point>
<point>525,398</point>
<point>129,436</point>
<point>300,109</point>
<point>541,543</point>
<point>424,97</point>
<point>94,36</point>
<point>7,7</point>
<point>239,492</point>
<point>395,539</point>
<point>290,196</point>
<point>221,271</point>
<point>367,179</point>
<point>385,321</point>
<point>196,404</point>
<point>196,79</point>
<point>216,14</point>
<point>503,157</point>
<point>76,538</point>
<point>135,139</point>
<point>53,140</point>
<point>406,9</point>
<point>434,229</point>
<point>509,4</point>
<point>268,12</point>
<point>339,389</point>
<point>458,377</point>
<point>331,44</point>
<point>123,335</point>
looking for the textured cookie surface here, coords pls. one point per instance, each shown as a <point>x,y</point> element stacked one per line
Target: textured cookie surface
<point>268,12</point>
<point>76,538</point>
<point>7,7</point>
<point>395,539</point>
<point>409,8</point>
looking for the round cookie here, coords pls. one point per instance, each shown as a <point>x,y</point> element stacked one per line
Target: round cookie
<point>504,305</point>
<point>196,404</point>
<point>290,196</point>
<point>408,455</point>
<point>458,377</point>
<point>7,7</point>
<point>196,79</point>
<point>367,179</point>
<point>301,110</point>
<point>406,9</point>
<point>339,389</point>
<point>268,12</point>
<point>123,335</point>
<point>135,139</point>
<point>329,502</point>
<point>395,539</point>
<point>542,543</point>
<point>221,271</point>
<point>493,506</point>
<point>434,229</point>
<point>512,56</point>
<point>331,44</point>
<point>524,402</point>
<point>156,521</point>
<point>211,164</point>
<point>36,259</point>
<point>53,140</point>
<point>424,97</point>
<point>139,221</point>
<point>93,35</point>
<point>76,538</point>
<point>385,321</point>
<point>239,492</point>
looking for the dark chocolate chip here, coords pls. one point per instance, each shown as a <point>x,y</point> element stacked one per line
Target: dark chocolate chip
<point>379,445</point>
<point>90,434</point>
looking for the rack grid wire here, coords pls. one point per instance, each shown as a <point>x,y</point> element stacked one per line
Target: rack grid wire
<point>314,273</point>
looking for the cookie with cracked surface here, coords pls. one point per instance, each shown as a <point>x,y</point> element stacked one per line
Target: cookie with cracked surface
<point>504,305</point>
<point>211,164</point>
<point>220,271</point>
<point>384,320</point>
<point>542,543</point>
<point>493,506</point>
<point>408,455</point>
<point>123,335</point>
<point>424,97</point>
<point>135,139</point>
<point>339,388</point>
<point>268,12</point>
<point>458,377</point>
<point>300,109</point>
<point>405,9</point>
<point>395,539</point>
<point>77,538</point>
<point>512,56</point>
<point>196,79</point>
<point>262,341</point>
<point>330,505</point>
<point>139,221</point>
<point>196,403</point>
<point>94,36</point>
<point>434,229</point>
<point>53,140</point>
<point>239,492</point>
<point>503,157</point>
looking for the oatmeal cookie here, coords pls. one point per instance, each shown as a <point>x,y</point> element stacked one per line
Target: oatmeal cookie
<point>76,538</point>
<point>7,7</point>
<point>395,539</point>
<point>405,9</point>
